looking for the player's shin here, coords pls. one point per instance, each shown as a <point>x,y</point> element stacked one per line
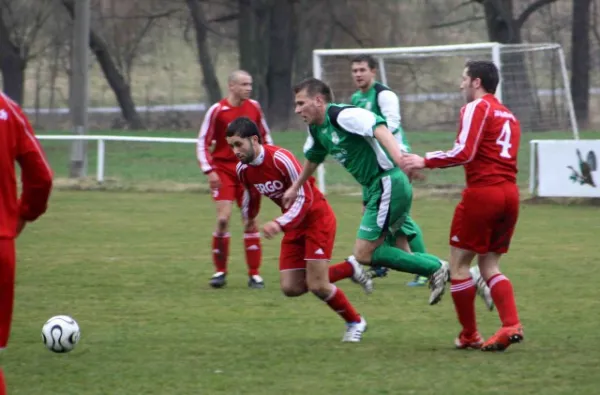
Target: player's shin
<point>340,271</point>
<point>504,299</point>
<point>220,249</point>
<point>7,288</point>
<point>253,250</point>
<point>400,260</point>
<point>2,383</point>
<point>338,302</point>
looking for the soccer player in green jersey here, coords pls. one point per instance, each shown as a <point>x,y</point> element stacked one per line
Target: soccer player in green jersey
<point>379,99</point>
<point>361,142</point>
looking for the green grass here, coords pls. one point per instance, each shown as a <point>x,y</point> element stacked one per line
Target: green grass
<point>132,268</point>
<point>129,163</point>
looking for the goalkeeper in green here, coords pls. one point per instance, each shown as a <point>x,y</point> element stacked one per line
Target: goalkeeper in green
<point>379,99</point>
<point>361,142</point>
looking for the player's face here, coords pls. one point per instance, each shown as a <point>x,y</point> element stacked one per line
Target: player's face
<point>468,86</point>
<point>242,87</point>
<point>243,148</point>
<point>362,75</point>
<point>311,109</point>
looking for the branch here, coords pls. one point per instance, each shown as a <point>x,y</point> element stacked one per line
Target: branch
<point>454,23</point>
<point>531,8</point>
<point>225,18</point>
<point>344,28</point>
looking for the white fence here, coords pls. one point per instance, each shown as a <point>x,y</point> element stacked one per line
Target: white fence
<point>100,160</point>
<point>564,168</point>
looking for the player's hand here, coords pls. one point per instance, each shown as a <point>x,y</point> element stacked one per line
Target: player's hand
<point>20,226</point>
<point>416,175</point>
<point>214,182</point>
<point>411,162</point>
<point>289,196</point>
<point>270,229</point>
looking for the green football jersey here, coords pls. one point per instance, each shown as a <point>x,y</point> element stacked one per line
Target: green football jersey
<point>382,101</point>
<point>347,135</point>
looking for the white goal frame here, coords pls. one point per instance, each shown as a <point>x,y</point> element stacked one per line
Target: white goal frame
<point>408,52</point>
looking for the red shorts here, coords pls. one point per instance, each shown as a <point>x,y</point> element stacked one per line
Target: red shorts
<point>312,240</point>
<point>7,288</point>
<point>485,219</point>
<point>231,189</point>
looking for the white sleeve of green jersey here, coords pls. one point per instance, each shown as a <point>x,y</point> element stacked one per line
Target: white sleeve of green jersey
<point>359,121</point>
<point>390,108</point>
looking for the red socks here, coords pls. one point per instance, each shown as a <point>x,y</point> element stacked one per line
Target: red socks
<point>339,303</point>
<point>504,299</point>
<point>253,252</point>
<point>463,294</point>
<point>252,247</point>
<point>340,271</point>
<point>2,383</point>
<point>220,249</point>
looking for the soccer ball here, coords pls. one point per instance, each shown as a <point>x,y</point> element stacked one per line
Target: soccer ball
<point>60,334</point>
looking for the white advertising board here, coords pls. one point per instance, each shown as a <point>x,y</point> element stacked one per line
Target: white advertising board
<point>568,168</point>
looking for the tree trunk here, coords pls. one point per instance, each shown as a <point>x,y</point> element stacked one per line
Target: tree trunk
<point>13,75</point>
<point>210,81</point>
<point>114,78</point>
<point>12,65</point>
<point>253,43</point>
<point>580,60</point>
<point>518,94</point>
<point>281,64</point>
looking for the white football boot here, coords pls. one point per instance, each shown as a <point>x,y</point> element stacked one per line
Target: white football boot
<point>354,331</point>
<point>360,275</point>
<point>482,288</point>
<point>437,282</point>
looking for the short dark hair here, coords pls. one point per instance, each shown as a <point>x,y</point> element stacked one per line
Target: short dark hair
<point>243,127</point>
<point>368,59</point>
<point>315,87</point>
<point>486,71</point>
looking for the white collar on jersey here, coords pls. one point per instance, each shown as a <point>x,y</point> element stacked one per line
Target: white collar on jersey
<point>259,158</point>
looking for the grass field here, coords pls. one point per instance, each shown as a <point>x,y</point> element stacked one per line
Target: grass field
<point>132,268</point>
<point>155,164</point>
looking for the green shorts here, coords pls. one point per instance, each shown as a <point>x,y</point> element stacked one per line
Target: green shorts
<point>387,205</point>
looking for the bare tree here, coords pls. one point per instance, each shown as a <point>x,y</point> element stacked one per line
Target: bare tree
<point>580,60</point>
<point>21,22</point>
<point>113,75</point>
<point>211,83</point>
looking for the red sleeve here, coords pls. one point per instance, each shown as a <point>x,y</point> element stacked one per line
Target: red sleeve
<point>205,137</point>
<point>472,122</point>
<point>265,132</point>
<point>251,201</point>
<point>290,168</point>
<point>36,174</point>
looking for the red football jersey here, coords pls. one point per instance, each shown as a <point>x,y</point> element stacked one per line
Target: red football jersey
<point>214,127</point>
<point>487,144</point>
<point>271,174</point>
<point>19,144</point>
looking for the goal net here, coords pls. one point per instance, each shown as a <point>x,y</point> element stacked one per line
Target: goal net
<point>533,85</point>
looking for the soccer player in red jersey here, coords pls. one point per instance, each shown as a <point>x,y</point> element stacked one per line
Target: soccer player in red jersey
<point>17,144</point>
<point>309,224</point>
<point>219,166</point>
<point>484,221</point>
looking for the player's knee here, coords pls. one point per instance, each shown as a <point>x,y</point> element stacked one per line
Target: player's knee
<point>320,289</point>
<point>363,256</point>
<point>292,291</point>
<point>222,224</point>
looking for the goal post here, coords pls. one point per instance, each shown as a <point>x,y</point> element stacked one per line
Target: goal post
<point>534,83</point>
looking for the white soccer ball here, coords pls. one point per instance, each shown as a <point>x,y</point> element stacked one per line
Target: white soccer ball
<point>61,333</point>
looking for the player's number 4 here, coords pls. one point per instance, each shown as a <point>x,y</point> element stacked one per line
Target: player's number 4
<point>504,140</point>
